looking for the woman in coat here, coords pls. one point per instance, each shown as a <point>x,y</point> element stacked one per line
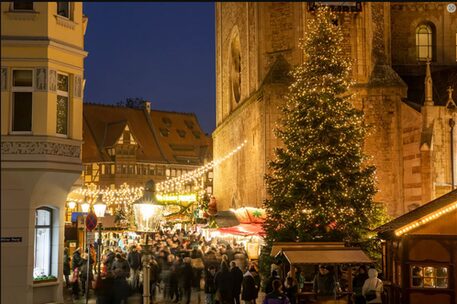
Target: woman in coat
<point>224,285</point>
<point>372,285</point>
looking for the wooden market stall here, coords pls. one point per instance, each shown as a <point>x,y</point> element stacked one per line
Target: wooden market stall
<point>321,253</point>
<point>420,254</point>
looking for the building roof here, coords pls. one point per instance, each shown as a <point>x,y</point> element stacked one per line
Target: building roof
<point>284,246</point>
<point>388,230</point>
<point>330,255</point>
<point>162,137</point>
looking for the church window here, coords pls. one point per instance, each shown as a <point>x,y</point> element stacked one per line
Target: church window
<point>63,9</point>
<point>424,42</point>
<point>43,242</point>
<point>235,68</point>
<point>22,101</point>
<point>22,6</point>
<point>62,104</point>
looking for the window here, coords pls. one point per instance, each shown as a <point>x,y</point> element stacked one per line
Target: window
<point>429,277</point>
<point>22,6</point>
<point>43,242</point>
<point>88,170</point>
<point>424,42</point>
<point>22,101</point>
<point>235,68</point>
<point>62,104</point>
<point>63,9</point>
<point>181,133</point>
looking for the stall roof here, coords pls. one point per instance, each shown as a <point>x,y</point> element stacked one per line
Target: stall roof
<point>226,219</point>
<point>283,246</point>
<point>335,255</point>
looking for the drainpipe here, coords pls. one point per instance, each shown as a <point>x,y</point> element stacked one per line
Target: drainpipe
<point>452,124</point>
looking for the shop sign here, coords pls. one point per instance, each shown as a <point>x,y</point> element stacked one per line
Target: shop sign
<point>12,239</point>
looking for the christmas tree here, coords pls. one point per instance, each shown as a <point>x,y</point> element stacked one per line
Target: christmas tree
<point>320,184</point>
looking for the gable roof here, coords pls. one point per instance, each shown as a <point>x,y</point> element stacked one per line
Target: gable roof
<point>420,215</point>
<point>183,143</point>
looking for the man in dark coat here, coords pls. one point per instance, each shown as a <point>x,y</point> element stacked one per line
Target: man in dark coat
<point>224,285</point>
<point>186,278</point>
<point>250,289</point>
<point>324,284</point>
<point>210,286</point>
<point>237,276</point>
<point>76,260</point>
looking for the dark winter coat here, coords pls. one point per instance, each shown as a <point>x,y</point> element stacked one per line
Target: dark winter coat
<point>210,285</point>
<point>134,260</point>
<point>186,276</point>
<point>76,261</point>
<point>224,283</point>
<point>249,288</point>
<point>324,285</point>
<point>66,264</point>
<point>237,276</point>
<point>120,269</point>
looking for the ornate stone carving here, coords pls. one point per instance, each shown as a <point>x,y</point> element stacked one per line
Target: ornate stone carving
<point>37,147</point>
<point>41,79</point>
<point>52,80</point>
<point>78,86</point>
<point>4,78</point>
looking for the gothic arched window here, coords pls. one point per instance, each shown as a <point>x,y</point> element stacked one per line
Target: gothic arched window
<point>424,42</point>
<point>235,68</point>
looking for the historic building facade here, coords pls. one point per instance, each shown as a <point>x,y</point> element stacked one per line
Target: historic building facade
<point>389,43</point>
<point>131,145</point>
<point>42,80</point>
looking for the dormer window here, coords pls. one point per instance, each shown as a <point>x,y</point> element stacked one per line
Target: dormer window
<point>63,9</point>
<point>181,133</point>
<point>166,121</point>
<point>22,6</point>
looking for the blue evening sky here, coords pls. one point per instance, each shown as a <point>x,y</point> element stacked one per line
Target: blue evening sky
<point>162,52</point>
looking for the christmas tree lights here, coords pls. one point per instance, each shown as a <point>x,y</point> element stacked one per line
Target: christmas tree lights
<point>320,184</point>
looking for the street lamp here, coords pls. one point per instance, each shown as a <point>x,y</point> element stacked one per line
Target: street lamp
<point>85,206</point>
<point>148,215</point>
<point>99,208</point>
<point>71,205</point>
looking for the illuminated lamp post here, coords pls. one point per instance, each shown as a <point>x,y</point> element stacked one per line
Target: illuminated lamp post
<point>99,208</point>
<point>148,215</point>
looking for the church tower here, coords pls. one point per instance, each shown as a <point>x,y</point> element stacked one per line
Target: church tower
<point>256,47</point>
<point>42,81</point>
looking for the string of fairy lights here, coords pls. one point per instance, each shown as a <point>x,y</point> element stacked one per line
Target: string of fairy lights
<point>125,195</point>
<point>177,184</point>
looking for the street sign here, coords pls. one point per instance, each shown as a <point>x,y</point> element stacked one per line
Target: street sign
<point>91,221</point>
<point>90,237</point>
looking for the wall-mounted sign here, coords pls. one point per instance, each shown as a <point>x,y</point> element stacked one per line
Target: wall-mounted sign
<point>12,239</point>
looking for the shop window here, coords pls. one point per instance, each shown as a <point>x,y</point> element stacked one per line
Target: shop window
<point>22,6</point>
<point>424,42</point>
<point>64,9</point>
<point>429,277</point>
<point>22,101</point>
<point>173,173</point>
<point>167,172</point>
<point>62,104</point>
<point>43,242</point>
<point>88,170</point>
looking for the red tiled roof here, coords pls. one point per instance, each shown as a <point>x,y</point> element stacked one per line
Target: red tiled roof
<point>185,142</point>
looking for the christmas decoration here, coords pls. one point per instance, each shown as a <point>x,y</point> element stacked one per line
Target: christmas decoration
<point>321,185</point>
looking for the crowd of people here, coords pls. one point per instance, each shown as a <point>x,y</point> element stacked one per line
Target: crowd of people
<point>182,263</point>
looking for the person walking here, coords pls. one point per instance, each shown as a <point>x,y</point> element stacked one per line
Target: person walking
<point>134,260</point>
<point>120,271</point>
<point>224,285</point>
<point>269,283</point>
<point>324,284</point>
<point>357,284</point>
<point>237,277</point>
<point>86,275</point>
<point>66,267</point>
<point>249,288</point>
<point>276,296</point>
<point>291,289</point>
<point>187,274</point>
<point>372,288</point>
<point>210,286</point>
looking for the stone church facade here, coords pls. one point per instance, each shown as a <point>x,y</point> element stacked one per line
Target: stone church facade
<point>389,43</point>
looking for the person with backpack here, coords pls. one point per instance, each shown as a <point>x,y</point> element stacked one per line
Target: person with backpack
<point>372,288</point>
<point>276,296</point>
